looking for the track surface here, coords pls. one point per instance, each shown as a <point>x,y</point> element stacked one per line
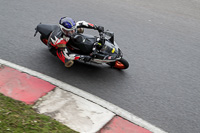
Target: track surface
<point>159,39</point>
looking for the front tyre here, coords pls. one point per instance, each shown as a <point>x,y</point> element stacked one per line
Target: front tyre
<point>119,64</point>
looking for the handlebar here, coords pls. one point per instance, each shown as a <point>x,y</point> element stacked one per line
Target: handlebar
<point>101,34</point>
<point>102,38</point>
<point>107,33</point>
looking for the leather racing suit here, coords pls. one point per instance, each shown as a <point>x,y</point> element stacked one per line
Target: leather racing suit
<point>57,43</point>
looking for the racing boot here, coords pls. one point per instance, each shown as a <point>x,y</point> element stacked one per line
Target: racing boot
<point>68,63</point>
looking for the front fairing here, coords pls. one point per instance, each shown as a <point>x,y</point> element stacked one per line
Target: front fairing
<point>111,50</point>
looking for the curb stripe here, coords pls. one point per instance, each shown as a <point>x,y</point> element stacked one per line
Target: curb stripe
<point>22,86</point>
<point>120,125</point>
<point>111,107</point>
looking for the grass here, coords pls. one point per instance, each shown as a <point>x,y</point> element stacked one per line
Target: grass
<point>17,117</point>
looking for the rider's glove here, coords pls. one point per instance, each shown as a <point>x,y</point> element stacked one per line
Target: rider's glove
<point>100,29</point>
<point>97,46</point>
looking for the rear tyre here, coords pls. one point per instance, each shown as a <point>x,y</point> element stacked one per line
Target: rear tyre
<point>44,39</point>
<point>119,64</point>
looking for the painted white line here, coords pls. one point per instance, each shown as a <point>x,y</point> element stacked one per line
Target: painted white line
<point>111,107</point>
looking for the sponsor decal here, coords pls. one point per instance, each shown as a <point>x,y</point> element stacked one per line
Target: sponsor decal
<point>91,24</point>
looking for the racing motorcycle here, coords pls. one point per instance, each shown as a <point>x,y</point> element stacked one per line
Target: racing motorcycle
<point>84,44</point>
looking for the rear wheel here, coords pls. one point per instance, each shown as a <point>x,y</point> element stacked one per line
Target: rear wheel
<point>44,39</point>
<point>119,64</point>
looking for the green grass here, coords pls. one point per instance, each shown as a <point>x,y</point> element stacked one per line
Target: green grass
<point>17,117</point>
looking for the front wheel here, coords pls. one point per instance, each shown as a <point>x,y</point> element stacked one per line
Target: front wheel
<point>119,64</point>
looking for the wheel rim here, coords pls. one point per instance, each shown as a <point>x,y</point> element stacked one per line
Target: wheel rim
<point>119,65</point>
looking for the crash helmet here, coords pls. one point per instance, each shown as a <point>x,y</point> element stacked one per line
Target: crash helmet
<point>67,26</point>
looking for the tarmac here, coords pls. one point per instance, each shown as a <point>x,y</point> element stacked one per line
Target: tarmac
<point>79,110</point>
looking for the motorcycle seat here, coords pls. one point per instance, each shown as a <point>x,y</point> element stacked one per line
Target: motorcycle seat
<point>46,29</point>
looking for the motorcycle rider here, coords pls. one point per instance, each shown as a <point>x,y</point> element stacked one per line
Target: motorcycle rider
<point>60,37</point>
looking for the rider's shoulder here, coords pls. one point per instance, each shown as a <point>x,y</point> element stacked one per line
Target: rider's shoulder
<point>56,33</point>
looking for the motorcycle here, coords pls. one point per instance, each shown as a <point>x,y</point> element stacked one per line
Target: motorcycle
<point>84,44</point>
